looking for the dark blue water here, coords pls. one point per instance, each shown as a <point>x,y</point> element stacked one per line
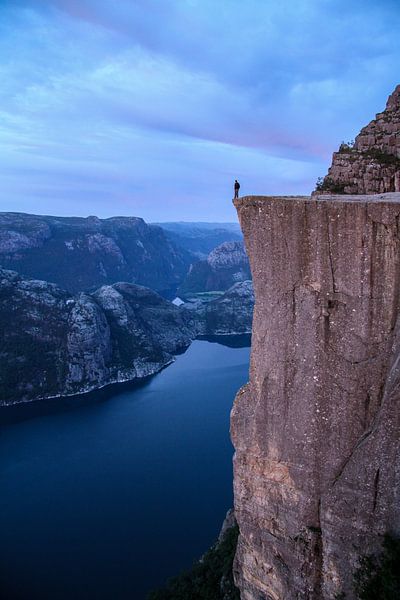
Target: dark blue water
<point>105,499</point>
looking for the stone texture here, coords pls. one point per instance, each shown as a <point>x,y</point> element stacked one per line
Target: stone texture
<point>229,521</point>
<point>372,165</point>
<point>57,344</point>
<point>316,429</point>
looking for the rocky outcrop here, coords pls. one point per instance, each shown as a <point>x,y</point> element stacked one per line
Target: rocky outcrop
<point>82,254</point>
<point>317,428</point>
<point>230,314</point>
<point>56,344</point>
<point>372,164</point>
<point>225,265</point>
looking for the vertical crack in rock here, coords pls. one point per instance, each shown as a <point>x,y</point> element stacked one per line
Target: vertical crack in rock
<point>294,303</point>
<point>328,237</point>
<point>376,486</point>
<point>366,409</point>
<point>317,428</point>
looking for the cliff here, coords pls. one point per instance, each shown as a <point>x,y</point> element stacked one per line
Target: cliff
<point>57,344</point>
<point>230,314</point>
<point>81,254</point>
<point>372,164</point>
<point>316,429</point>
<point>225,265</point>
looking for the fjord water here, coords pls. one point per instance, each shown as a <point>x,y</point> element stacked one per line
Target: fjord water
<point>106,497</point>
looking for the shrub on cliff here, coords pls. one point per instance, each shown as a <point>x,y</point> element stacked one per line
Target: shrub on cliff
<point>346,147</point>
<point>379,576</point>
<point>209,579</point>
<point>383,158</point>
<point>327,184</point>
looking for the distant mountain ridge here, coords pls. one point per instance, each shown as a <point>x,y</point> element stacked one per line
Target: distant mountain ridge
<point>200,238</point>
<point>73,318</point>
<point>115,249</point>
<point>224,266</point>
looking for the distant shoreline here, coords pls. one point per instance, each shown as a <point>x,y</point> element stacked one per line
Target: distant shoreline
<point>27,409</point>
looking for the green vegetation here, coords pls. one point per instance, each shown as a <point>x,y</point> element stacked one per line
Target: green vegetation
<point>379,576</point>
<point>384,158</point>
<point>209,579</point>
<point>346,147</point>
<point>327,184</point>
<point>205,296</point>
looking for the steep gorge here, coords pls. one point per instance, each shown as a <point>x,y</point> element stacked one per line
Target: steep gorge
<point>316,429</point>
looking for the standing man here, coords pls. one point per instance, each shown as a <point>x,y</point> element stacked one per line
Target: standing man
<point>237,188</point>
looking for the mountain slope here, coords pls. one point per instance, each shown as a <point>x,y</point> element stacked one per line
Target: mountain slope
<point>225,265</point>
<point>54,343</point>
<point>201,238</point>
<point>230,314</point>
<point>81,254</point>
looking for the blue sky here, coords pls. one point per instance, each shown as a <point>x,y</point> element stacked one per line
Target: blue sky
<point>152,108</point>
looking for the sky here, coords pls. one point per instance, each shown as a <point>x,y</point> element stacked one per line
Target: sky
<point>152,108</point>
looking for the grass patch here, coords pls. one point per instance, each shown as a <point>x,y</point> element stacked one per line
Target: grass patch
<point>205,296</point>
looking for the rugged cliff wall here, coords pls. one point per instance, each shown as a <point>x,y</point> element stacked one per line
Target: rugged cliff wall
<point>55,344</point>
<point>372,164</point>
<point>316,430</point>
<point>225,265</point>
<point>230,314</point>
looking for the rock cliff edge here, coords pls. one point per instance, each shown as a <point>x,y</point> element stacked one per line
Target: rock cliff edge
<point>316,429</point>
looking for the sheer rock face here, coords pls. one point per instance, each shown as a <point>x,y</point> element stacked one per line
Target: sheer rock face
<point>225,265</point>
<point>316,430</point>
<point>372,165</point>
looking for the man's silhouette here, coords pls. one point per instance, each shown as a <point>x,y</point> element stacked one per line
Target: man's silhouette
<point>237,188</point>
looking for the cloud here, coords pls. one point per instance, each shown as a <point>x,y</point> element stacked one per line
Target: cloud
<point>134,100</point>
